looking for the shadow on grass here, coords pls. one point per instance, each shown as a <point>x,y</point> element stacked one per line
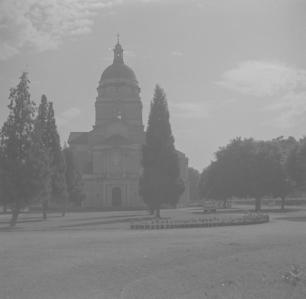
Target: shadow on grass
<point>89,221</point>
<point>106,222</point>
<point>294,219</point>
<point>38,218</point>
<point>10,229</point>
<point>277,210</point>
<point>243,211</point>
<point>103,217</point>
<point>26,220</point>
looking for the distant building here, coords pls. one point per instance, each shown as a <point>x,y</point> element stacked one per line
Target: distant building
<point>109,156</point>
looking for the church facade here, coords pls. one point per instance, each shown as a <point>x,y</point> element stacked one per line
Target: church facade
<point>109,156</point>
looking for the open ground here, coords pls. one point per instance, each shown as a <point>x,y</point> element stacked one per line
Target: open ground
<point>95,255</point>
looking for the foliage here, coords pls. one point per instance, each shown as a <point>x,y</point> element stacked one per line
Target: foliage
<point>293,276</point>
<point>3,193</point>
<point>285,146</point>
<point>194,179</point>
<point>57,162</point>
<point>296,165</point>
<point>244,168</point>
<point>73,178</point>
<point>41,128</point>
<point>23,156</point>
<point>39,165</point>
<point>160,182</point>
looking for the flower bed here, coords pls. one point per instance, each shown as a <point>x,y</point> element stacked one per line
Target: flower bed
<point>247,219</point>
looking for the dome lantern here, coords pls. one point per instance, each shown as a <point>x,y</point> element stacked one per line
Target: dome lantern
<point>118,52</point>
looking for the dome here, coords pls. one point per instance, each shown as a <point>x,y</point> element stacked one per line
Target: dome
<point>118,71</point>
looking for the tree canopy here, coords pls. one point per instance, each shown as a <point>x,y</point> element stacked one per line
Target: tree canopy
<point>244,168</point>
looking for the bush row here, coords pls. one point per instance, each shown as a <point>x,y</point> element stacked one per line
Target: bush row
<point>253,218</point>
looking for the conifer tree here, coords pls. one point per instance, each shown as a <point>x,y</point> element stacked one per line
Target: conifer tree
<point>57,162</point>
<point>39,166</point>
<point>160,182</point>
<point>22,154</point>
<point>41,127</point>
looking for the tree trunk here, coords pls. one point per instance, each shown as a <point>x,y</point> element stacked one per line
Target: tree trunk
<point>257,204</point>
<point>283,203</point>
<point>157,211</point>
<point>45,209</point>
<point>15,213</point>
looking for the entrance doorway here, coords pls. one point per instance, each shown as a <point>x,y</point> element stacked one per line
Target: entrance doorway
<point>116,197</point>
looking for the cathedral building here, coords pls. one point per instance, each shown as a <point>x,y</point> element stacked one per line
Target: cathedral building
<point>109,156</point>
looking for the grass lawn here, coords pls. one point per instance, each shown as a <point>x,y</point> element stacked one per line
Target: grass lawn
<point>95,255</point>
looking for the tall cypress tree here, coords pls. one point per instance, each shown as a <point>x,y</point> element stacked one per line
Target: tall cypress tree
<point>39,166</point>
<point>22,154</point>
<point>160,182</point>
<point>57,162</point>
<point>41,128</point>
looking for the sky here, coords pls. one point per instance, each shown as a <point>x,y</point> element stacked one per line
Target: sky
<point>229,68</point>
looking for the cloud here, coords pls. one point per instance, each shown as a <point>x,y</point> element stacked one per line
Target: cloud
<point>198,109</point>
<point>71,113</point>
<point>44,24</point>
<point>68,115</point>
<point>177,53</point>
<point>289,110</point>
<point>259,78</point>
<point>283,87</point>
<point>191,110</point>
